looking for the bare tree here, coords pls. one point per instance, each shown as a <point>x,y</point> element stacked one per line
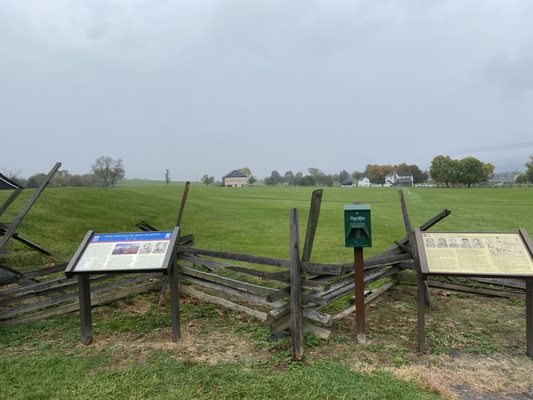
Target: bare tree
<point>167,176</point>
<point>11,174</point>
<point>108,171</point>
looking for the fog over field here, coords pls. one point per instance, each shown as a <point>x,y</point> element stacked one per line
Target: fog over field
<point>209,86</point>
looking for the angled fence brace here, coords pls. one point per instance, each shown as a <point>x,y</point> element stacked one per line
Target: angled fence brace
<point>10,232</point>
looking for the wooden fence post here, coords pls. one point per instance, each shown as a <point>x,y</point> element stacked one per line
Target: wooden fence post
<point>312,224</point>
<point>164,279</point>
<point>296,289</point>
<point>414,250</point>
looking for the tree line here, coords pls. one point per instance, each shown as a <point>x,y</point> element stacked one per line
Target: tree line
<point>467,171</point>
<point>315,177</point>
<point>105,172</point>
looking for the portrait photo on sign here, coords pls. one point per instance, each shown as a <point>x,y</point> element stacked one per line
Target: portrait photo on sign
<point>146,248</point>
<point>452,242</point>
<point>160,247</point>
<point>441,242</point>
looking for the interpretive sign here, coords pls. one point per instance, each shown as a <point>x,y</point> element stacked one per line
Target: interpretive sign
<point>474,254</point>
<point>113,253</point>
<point>508,255</point>
<point>124,252</point>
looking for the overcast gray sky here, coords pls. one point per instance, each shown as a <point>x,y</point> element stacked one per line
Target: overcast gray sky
<point>207,86</point>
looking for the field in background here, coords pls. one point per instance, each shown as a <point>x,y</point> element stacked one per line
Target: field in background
<point>476,344</point>
<point>255,219</point>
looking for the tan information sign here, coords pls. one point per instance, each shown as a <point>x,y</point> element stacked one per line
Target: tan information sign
<point>500,254</point>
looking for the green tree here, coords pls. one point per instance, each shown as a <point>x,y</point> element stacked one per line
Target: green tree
<point>252,179</point>
<point>35,180</point>
<point>444,170</point>
<point>207,180</point>
<point>298,177</point>
<point>488,168</point>
<point>471,171</point>
<point>274,179</point>
<point>377,173</point>
<point>246,171</point>
<point>289,178</point>
<point>344,176</point>
<point>358,175</point>
<point>319,178</point>
<point>61,179</point>
<point>522,178</point>
<point>529,171</point>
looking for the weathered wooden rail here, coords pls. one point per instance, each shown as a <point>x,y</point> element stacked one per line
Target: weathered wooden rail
<point>270,300</point>
<point>292,295</point>
<point>39,294</point>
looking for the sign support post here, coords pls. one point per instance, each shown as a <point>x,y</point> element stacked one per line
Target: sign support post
<point>529,317</point>
<point>85,309</point>
<point>359,276</point>
<point>174,300</point>
<point>421,300</point>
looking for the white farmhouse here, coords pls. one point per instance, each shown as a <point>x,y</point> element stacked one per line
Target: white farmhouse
<point>364,182</point>
<point>396,179</point>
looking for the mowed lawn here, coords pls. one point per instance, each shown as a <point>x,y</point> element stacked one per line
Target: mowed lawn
<point>255,219</point>
<point>132,357</point>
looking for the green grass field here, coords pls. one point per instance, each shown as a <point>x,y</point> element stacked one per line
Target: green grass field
<point>255,219</point>
<point>132,358</point>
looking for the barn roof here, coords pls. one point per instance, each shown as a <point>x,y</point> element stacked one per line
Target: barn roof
<point>235,174</point>
<point>6,184</point>
<point>404,179</point>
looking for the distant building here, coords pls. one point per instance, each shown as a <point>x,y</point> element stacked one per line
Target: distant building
<point>347,184</point>
<point>364,182</point>
<point>235,179</point>
<point>396,179</point>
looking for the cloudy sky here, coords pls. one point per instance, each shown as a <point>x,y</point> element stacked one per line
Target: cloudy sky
<point>207,86</point>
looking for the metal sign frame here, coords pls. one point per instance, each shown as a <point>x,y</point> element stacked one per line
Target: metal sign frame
<point>71,267</point>
<point>169,267</point>
<point>425,272</point>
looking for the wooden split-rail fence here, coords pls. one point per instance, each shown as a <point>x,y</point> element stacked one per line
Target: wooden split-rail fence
<point>292,296</point>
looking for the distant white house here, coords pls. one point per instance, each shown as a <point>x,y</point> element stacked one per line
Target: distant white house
<point>235,179</point>
<point>396,179</point>
<point>364,182</point>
